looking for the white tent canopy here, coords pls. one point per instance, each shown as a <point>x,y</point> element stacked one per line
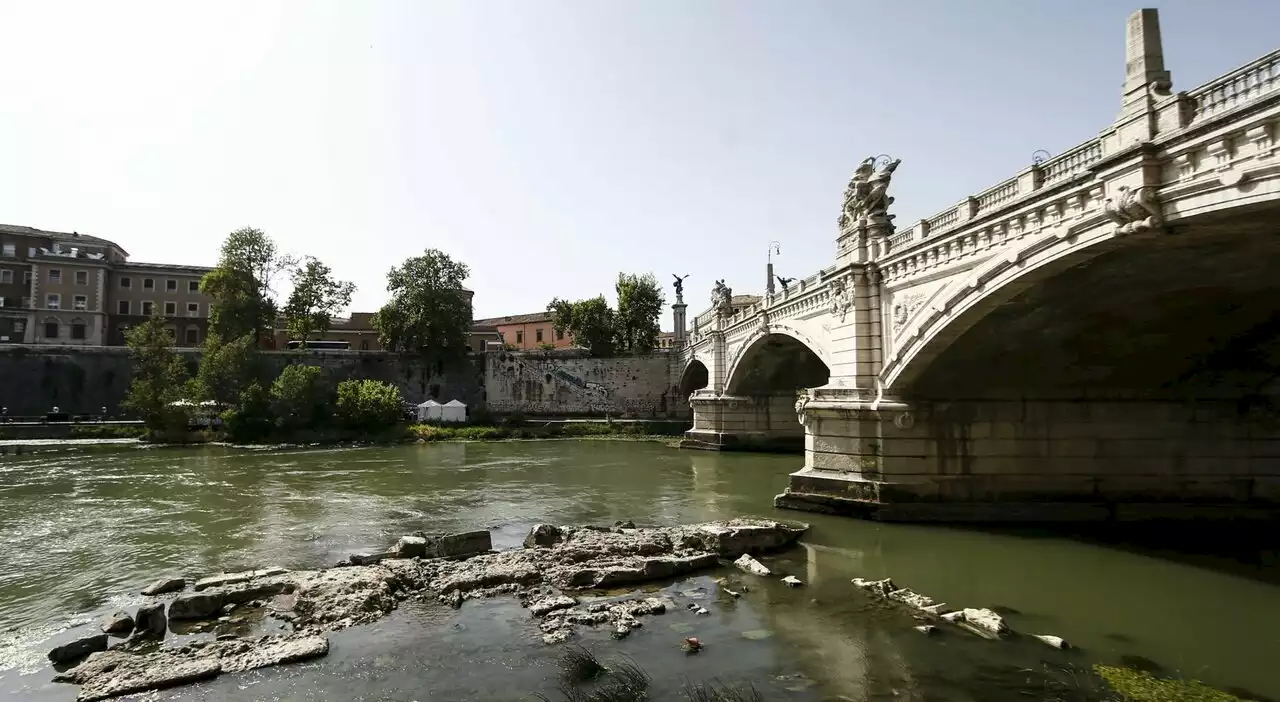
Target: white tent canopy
<point>429,410</point>
<point>453,411</point>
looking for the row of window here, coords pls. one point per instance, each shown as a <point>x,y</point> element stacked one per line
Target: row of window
<point>537,333</point>
<point>170,285</point>
<point>53,301</point>
<point>54,276</point>
<point>53,329</point>
<point>146,307</point>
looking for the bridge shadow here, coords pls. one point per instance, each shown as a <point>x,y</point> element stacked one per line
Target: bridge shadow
<point>1244,548</point>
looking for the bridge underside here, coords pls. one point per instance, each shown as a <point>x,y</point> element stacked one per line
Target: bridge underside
<point>757,411</point>
<point>1143,383</point>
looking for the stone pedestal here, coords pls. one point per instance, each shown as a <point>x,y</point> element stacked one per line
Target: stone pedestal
<point>678,320</point>
<point>740,423</point>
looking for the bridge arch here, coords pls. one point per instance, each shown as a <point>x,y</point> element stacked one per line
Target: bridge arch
<point>779,359</point>
<point>1060,316</point>
<point>694,377</point>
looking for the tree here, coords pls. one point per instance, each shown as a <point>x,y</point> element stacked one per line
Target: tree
<point>300,397</point>
<point>368,404</point>
<point>227,368</point>
<point>640,303</point>
<point>590,321</point>
<point>158,377</point>
<point>315,300</point>
<point>241,285</point>
<point>428,314</point>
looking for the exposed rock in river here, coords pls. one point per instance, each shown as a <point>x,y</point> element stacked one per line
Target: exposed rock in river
<point>751,565</point>
<point>164,586</point>
<point>150,621</point>
<point>81,647</point>
<point>119,624</point>
<point>560,559</point>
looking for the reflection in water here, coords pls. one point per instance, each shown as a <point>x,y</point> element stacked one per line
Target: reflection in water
<point>81,530</point>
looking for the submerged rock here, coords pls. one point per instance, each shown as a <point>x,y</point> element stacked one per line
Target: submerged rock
<point>165,585</point>
<point>986,621</point>
<point>544,535</point>
<point>1049,640</point>
<point>75,650</point>
<point>878,587</point>
<point>454,567</point>
<point>119,624</point>
<point>751,565</point>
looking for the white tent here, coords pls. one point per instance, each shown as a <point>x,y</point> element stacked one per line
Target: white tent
<point>429,411</point>
<point>453,411</point>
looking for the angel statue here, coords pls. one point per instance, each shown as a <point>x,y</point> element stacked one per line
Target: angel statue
<point>784,282</point>
<point>721,298</point>
<point>868,193</point>
<point>679,285</point>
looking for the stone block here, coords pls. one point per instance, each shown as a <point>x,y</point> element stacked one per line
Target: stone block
<point>196,605</point>
<point>77,649</point>
<point>165,585</point>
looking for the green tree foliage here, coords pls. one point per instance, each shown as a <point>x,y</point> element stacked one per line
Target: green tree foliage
<point>250,419</point>
<point>640,302</point>
<point>316,298</point>
<point>590,321</point>
<point>158,377</point>
<point>428,314</point>
<point>241,285</point>
<point>300,398</point>
<point>226,369</point>
<point>368,405</point>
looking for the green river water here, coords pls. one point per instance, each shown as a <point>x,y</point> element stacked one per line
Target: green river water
<point>82,529</point>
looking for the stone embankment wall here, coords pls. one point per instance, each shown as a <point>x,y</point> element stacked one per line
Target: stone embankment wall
<point>570,383</point>
<point>86,379</point>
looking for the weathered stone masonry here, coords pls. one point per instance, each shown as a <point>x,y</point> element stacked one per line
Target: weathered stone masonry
<point>574,383</point>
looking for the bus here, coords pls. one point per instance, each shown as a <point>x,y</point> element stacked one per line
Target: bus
<point>319,345</point>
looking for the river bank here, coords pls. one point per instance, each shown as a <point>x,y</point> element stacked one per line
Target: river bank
<point>86,530</point>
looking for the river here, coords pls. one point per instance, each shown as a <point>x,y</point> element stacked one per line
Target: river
<point>82,529</point>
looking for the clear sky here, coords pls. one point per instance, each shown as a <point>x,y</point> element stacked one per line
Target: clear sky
<point>550,144</point>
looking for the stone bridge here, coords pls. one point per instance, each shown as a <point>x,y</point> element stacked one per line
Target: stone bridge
<point>1097,337</point>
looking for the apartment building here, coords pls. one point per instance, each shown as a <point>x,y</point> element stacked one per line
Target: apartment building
<point>73,289</point>
<point>139,289</point>
<point>358,331</point>
<point>528,331</point>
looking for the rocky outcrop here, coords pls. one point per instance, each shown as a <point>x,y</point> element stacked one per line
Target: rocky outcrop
<point>150,621</point>
<point>164,586</point>
<point>119,624</point>
<point>115,673</point>
<point>751,565</point>
<point>75,650</point>
<point>562,559</point>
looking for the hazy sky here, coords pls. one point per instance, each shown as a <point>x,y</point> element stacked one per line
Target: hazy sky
<point>550,144</point>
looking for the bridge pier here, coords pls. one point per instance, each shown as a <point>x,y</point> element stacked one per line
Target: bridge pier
<point>1036,461</point>
<point>744,423</point>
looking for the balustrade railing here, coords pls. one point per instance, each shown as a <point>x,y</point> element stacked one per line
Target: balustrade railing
<point>993,198</point>
<point>1241,86</point>
<point>1072,162</point>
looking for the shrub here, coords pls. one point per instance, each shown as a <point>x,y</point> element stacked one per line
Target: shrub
<point>368,404</point>
<point>250,420</point>
<point>300,397</point>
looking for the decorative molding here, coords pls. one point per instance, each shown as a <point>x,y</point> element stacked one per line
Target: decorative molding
<point>903,309</point>
<point>1134,209</point>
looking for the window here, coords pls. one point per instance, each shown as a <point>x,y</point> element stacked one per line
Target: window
<point>146,307</point>
<point>19,326</point>
<point>171,285</point>
<point>55,276</point>
<point>80,302</point>
<point>52,301</point>
<point>172,331</point>
<point>193,309</point>
<point>364,345</point>
<point>31,252</point>
<point>126,282</point>
<point>148,284</point>
<point>519,337</point>
<point>193,335</point>
<point>6,276</point>
<point>538,335</point>
<point>170,309</point>
<point>122,307</point>
<point>82,277</point>
<point>559,335</point>
<point>26,277</point>
<point>193,286</point>
<point>78,329</point>
<point>2,302</point>
<point>10,251</point>
<point>51,329</point>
